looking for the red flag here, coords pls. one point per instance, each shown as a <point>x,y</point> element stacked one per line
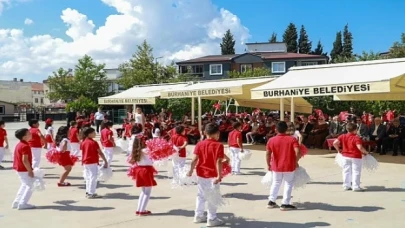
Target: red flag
<point>343,115</point>
<point>256,111</point>
<point>217,106</point>
<point>319,113</point>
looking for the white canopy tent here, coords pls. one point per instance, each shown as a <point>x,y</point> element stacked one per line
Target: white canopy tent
<point>368,80</point>
<point>237,89</point>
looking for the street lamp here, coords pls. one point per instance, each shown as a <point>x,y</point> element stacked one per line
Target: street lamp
<point>156,66</point>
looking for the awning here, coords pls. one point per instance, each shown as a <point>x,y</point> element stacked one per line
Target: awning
<point>359,78</point>
<point>138,95</point>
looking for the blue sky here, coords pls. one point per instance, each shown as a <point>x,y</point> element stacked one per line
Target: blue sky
<point>191,29</point>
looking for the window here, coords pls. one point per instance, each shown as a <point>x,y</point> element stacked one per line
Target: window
<point>42,100</point>
<point>246,67</point>
<point>216,69</point>
<point>36,100</point>
<point>309,63</point>
<point>2,110</point>
<point>278,67</point>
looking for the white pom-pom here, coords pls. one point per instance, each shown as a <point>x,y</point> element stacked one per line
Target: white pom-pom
<point>301,178</point>
<point>104,174</point>
<point>39,183</point>
<point>339,160</point>
<point>184,180</point>
<point>123,144</point>
<point>267,180</point>
<point>214,196</point>
<point>370,163</point>
<point>161,163</point>
<point>245,155</point>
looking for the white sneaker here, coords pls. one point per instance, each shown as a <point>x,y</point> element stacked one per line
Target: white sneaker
<point>358,190</point>
<point>215,222</point>
<point>25,207</point>
<point>200,219</point>
<point>14,205</point>
<point>347,188</point>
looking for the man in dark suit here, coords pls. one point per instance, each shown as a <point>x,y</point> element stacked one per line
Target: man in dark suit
<point>393,138</point>
<point>362,129</point>
<point>305,129</point>
<point>377,132</point>
<point>335,128</point>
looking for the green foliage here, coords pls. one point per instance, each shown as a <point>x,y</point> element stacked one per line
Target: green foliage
<point>256,72</point>
<point>398,48</point>
<point>228,44</point>
<point>89,80</point>
<point>319,50</point>
<point>347,43</point>
<point>273,38</point>
<point>337,47</point>
<point>304,45</point>
<point>82,104</point>
<point>290,37</point>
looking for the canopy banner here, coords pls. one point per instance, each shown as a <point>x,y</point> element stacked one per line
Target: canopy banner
<point>357,88</point>
<point>227,91</point>
<point>126,101</point>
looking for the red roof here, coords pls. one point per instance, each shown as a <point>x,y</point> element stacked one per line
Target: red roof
<point>35,86</point>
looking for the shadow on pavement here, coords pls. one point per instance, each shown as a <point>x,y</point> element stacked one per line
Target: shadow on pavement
<point>108,186</point>
<point>383,189</point>
<point>326,183</point>
<point>66,205</point>
<point>329,207</point>
<point>233,184</point>
<point>255,173</point>
<point>126,196</point>
<point>245,196</point>
<point>69,178</point>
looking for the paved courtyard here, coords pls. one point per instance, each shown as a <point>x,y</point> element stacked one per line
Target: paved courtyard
<point>321,204</point>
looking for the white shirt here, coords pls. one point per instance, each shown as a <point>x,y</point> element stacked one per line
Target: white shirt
<point>49,131</point>
<point>138,118</point>
<point>145,159</point>
<point>156,134</point>
<point>375,130</point>
<point>296,135</point>
<point>99,116</point>
<point>61,144</point>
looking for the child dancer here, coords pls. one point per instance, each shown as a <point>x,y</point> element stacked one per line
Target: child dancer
<point>179,141</point>
<point>128,129</point>
<point>74,138</point>
<point>235,142</point>
<point>22,165</point>
<point>352,153</point>
<point>90,157</point>
<point>49,133</point>
<point>156,130</point>
<point>63,145</point>
<point>35,142</point>
<point>136,132</point>
<point>208,158</point>
<point>143,174</point>
<point>107,140</point>
<point>282,159</point>
<point>3,139</point>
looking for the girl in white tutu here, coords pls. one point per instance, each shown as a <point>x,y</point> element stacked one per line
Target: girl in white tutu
<point>352,151</point>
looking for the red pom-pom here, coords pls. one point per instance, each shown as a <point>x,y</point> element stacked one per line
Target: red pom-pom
<point>132,172</point>
<point>226,169</point>
<point>53,156</point>
<point>159,148</point>
<point>303,150</point>
<point>74,159</point>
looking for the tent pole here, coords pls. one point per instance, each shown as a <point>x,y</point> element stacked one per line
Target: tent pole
<point>292,110</point>
<point>226,107</point>
<point>199,115</point>
<point>192,110</point>
<point>281,109</point>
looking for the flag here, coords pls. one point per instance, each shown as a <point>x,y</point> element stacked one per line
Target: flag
<point>256,111</point>
<point>343,115</point>
<point>217,106</point>
<point>319,113</point>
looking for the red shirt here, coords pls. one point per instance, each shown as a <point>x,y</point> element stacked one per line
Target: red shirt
<point>223,127</point>
<point>349,144</point>
<point>261,130</point>
<point>245,127</point>
<point>22,148</point>
<point>178,141</point>
<point>128,129</point>
<point>35,141</point>
<point>233,138</point>
<point>208,152</point>
<point>3,134</point>
<point>89,149</point>
<point>73,135</point>
<point>91,116</point>
<point>283,157</point>
<point>105,140</point>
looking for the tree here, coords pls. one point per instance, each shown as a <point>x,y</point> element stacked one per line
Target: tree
<point>256,72</point>
<point>89,80</point>
<point>82,104</point>
<point>273,38</point>
<point>337,47</point>
<point>398,48</point>
<point>228,44</point>
<point>347,42</point>
<point>304,45</point>
<point>319,50</point>
<point>290,37</point>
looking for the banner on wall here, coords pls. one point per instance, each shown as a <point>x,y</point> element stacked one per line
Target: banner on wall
<point>202,92</point>
<point>358,88</point>
<point>126,101</point>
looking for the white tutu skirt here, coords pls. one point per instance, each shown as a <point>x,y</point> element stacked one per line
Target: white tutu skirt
<point>301,178</point>
<point>267,180</point>
<point>245,155</point>
<point>104,174</point>
<point>370,163</point>
<point>39,183</point>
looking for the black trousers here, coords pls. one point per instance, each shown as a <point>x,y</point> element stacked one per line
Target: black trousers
<point>379,142</point>
<point>98,123</point>
<point>395,142</point>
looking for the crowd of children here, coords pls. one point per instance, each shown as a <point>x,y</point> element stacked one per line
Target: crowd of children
<point>283,154</point>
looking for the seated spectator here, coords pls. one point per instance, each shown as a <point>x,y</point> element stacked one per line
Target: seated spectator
<point>261,133</point>
<point>305,129</point>
<point>335,128</point>
<point>193,135</point>
<point>250,136</point>
<point>318,134</point>
<point>393,138</point>
<point>377,133</point>
<point>362,129</point>
<point>246,128</point>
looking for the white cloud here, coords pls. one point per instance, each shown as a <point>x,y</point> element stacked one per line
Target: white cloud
<point>3,4</point>
<point>177,30</point>
<point>28,21</point>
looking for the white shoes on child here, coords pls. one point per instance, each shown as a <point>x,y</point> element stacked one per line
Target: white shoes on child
<point>15,205</point>
<point>210,223</point>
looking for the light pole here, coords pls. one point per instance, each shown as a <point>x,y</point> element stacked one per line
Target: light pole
<point>156,66</point>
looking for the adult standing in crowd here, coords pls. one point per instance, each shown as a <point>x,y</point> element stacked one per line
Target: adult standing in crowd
<point>71,116</point>
<point>99,117</point>
<point>139,117</point>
